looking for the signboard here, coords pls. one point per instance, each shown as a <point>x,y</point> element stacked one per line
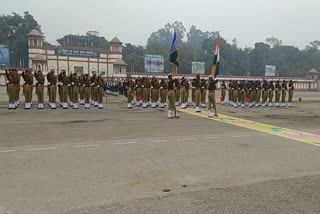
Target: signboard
<point>270,70</point>
<point>4,56</point>
<point>81,53</point>
<point>154,64</point>
<point>198,67</point>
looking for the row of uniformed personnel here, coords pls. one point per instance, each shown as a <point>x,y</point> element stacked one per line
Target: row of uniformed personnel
<point>260,93</point>
<point>69,88</point>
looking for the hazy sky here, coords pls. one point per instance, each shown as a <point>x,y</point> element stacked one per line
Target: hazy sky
<point>295,22</point>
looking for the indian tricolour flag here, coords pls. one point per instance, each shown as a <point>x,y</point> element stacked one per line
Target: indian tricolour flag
<point>216,60</point>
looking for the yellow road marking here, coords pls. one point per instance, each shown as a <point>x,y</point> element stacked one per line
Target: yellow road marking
<point>266,128</point>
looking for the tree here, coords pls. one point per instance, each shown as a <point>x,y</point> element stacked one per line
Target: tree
<point>134,55</point>
<point>13,33</point>
<point>87,40</point>
<point>274,42</point>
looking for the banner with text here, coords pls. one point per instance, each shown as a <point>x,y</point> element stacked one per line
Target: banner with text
<point>154,64</point>
<point>4,56</point>
<point>198,67</point>
<point>270,70</point>
<point>81,53</point>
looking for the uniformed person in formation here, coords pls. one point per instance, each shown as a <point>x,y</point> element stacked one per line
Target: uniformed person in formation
<point>94,90</point>
<point>156,91</point>
<point>193,90</point>
<point>172,112</point>
<point>284,87</point>
<point>60,88</point>
<point>183,91</point>
<point>291,89</point>
<point>81,90</point>
<point>230,95</point>
<point>101,91</point>
<point>258,93</point>
<point>87,91</point>
<point>203,91</point>
<point>278,93</point>
<point>212,96</point>
<point>28,84</point>
<point>40,88</point>
<point>130,92</point>
<point>177,91</point>
<point>235,90</point>
<point>17,90</point>
<point>52,89</point>
<point>264,93</point>
<point>223,92</point>
<point>75,83</point>
<point>163,93</point>
<point>138,89</point>
<point>64,90</point>
<point>197,93</point>
<point>12,78</point>
<point>252,94</point>
<point>70,89</point>
<point>148,91</point>
<point>271,92</point>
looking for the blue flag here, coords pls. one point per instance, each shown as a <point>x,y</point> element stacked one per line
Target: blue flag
<point>174,51</point>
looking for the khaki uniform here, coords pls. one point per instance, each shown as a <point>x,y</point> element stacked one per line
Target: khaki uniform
<point>139,91</point>
<point>291,89</point>
<point>163,93</point>
<point>60,88</point>
<point>171,98</point>
<point>75,90</point>
<point>87,91</point>
<point>223,92</point>
<point>264,93</point>
<point>94,91</point>
<point>12,78</point>
<point>197,94</point>
<point>271,92</point>
<point>64,91</point>
<point>130,88</point>
<point>203,91</point>
<point>28,84</point>
<point>177,92</point>
<point>81,90</point>
<point>155,93</point>
<point>52,89</point>
<point>278,93</point>
<point>284,94</point>
<point>258,93</point>
<point>101,91</point>
<point>40,88</point>
<point>212,97</point>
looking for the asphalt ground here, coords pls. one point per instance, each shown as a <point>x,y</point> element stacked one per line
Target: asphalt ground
<point>137,161</point>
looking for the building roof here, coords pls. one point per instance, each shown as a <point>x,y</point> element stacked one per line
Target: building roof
<point>313,71</point>
<point>119,61</point>
<point>116,40</point>
<point>34,32</point>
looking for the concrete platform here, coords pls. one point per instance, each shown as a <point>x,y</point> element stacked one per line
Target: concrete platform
<point>137,161</point>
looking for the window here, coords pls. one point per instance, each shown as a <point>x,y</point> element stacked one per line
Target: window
<point>35,42</point>
<point>78,70</point>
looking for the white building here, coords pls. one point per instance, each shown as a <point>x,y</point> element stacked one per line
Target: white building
<point>107,62</point>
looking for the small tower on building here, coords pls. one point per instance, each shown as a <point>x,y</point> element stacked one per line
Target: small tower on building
<point>37,58</point>
<point>116,45</point>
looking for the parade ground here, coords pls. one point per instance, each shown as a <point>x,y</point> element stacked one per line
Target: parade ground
<point>137,161</point>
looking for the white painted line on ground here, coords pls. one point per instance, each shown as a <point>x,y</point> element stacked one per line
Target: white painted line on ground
<point>84,146</point>
<point>187,139</point>
<point>241,136</point>
<point>125,143</point>
<point>157,141</point>
<point>42,149</point>
<point>212,137</point>
<point>7,151</point>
